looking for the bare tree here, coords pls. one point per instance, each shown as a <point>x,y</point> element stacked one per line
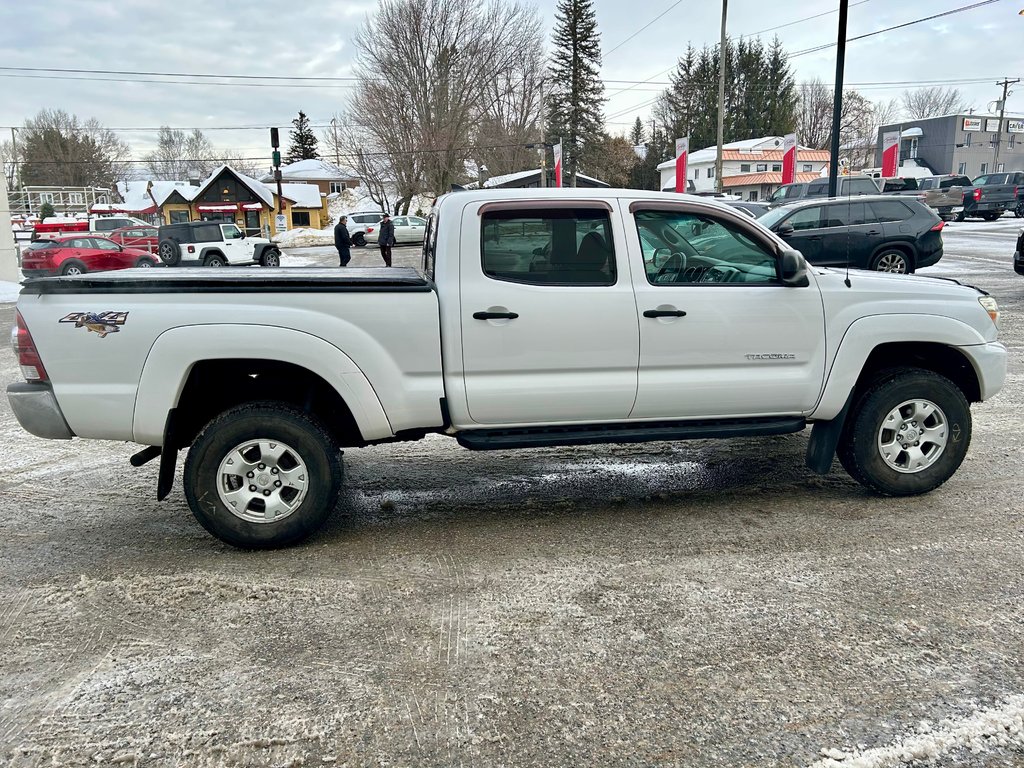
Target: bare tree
<point>426,68</point>
<point>59,149</point>
<point>933,102</point>
<point>390,175</point>
<point>613,161</point>
<point>10,161</point>
<point>814,115</point>
<point>181,155</point>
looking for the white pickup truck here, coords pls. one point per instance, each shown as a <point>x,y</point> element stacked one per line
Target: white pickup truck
<point>540,317</point>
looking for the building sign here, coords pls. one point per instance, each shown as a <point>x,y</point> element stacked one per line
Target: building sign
<point>972,123</point>
<point>992,126</point>
<point>1015,126</point>
<point>281,222</point>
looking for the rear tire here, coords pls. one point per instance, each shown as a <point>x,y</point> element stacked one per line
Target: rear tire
<point>891,457</point>
<point>359,239</point>
<point>991,215</point>
<point>214,260</point>
<point>73,267</point>
<point>1018,211</point>
<point>892,260</point>
<point>282,443</point>
<point>960,216</point>
<point>169,253</point>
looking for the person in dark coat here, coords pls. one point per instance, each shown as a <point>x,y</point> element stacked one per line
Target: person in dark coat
<point>343,241</point>
<point>386,238</point>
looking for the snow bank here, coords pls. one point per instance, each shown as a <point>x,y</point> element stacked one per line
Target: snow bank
<point>9,291</point>
<point>1000,727</point>
<point>304,238</point>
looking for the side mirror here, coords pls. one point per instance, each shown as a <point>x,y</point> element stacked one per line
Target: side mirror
<point>241,234</point>
<point>793,269</point>
<point>785,230</point>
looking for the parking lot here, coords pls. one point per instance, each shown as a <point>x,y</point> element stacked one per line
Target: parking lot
<point>682,604</point>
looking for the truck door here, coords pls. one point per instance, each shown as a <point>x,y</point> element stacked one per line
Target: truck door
<point>720,335</point>
<point>549,323</point>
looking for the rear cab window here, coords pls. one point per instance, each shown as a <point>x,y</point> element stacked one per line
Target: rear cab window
<point>548,246</point>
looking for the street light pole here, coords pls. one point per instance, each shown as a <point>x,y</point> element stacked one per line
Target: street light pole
<point>837,107</point>
<point>1006,83</point>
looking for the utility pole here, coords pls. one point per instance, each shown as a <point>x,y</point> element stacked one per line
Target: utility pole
<point>337,154</point>
<point>837,108</point>
<point>14,158</point>
<point>721,100</point>
<point>1002,112</point>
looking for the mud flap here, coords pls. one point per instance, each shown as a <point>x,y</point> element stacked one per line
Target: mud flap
<point>168,457</point>
<point>821,448</point>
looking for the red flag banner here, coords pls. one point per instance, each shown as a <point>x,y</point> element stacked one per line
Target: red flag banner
<point>558,164</point>
<point>890,154</point>
<point>789,159</point>
<point>682,150</point>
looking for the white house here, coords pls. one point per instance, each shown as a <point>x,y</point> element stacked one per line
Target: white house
<point>751,168</point>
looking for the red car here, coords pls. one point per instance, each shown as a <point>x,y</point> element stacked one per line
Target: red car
<point>76,254</point>
<point>140,238</point>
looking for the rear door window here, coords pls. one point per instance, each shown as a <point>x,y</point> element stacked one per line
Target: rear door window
<point>817,189</point>
<point>207,233</point>
<point>548,246</point>
<point>889,210</point>
<point>806,218</point>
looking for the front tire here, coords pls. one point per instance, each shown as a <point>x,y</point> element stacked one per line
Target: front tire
<point>262,475</point>
<point>907,434</point>
<point>271,258</point>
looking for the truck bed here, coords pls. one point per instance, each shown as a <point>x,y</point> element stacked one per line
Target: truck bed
<point>234,280</point>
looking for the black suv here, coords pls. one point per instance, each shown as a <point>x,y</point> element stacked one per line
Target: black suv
<point>881,233</point>
<point>1018,256</point>
<point>214,244</point>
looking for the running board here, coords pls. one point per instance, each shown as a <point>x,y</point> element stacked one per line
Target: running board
<point>590,434</point>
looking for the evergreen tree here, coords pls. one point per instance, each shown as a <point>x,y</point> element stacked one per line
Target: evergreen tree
<point>576,97</point>
<point>46,212</point>
<point>636,133</point>
<point>303,141</point>
<point>760,95</point>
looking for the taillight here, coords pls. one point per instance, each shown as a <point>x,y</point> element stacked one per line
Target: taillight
<point>938,227</point>
<point>25,348</point>
<point>191,249</point>
<point>977,194</point>
<point>369,230</point>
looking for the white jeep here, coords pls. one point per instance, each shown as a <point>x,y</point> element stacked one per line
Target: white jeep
<point>214,244</point>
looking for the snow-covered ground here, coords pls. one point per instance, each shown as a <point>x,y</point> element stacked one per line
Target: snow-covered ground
<point>8,291</point>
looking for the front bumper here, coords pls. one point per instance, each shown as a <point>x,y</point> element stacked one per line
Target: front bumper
<point>989,362</point>
<point>36,409</point>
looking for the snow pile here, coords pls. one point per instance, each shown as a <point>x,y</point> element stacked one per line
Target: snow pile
<point>999,727</point>
<point>304,237</point>
<point>9,291</point>
<point>351,201</point>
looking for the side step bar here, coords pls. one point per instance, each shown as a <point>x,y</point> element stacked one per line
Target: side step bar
<point>540,437</point>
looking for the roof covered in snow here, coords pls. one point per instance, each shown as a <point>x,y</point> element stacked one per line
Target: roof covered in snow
<point>313,170</point>
<point>303,195</point>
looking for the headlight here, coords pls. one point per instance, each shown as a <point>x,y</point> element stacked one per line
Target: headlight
<point>992,307</point>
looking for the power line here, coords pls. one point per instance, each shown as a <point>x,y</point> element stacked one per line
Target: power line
<point>896,26</point>
<point>645,26</point>
<point>801,21</point>
<point>174,74</point>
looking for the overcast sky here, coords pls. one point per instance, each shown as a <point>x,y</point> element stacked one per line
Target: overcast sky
<point>259,37</point>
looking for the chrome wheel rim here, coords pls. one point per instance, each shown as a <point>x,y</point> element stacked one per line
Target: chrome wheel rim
<point>893,262</point>
<point>144,264</point>
<point>262,481</point>
<point>72,271</point>
<point>215,263</point>
<point>913,436</point>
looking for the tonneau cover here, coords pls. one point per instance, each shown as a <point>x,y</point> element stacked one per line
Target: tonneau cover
<point>234,280</point>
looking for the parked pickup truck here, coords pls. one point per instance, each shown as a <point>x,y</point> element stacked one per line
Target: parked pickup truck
<point>943,194</point>
<point>541,317</point>
<point>990,196</point>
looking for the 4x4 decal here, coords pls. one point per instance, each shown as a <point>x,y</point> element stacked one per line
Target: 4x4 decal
<point>100,323</point>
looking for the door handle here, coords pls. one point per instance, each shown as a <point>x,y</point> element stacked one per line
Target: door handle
<point>873,232</point>
<point>495,315</point>
<point>664,313</point>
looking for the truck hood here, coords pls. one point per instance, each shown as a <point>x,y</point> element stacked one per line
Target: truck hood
<point>878,293</point>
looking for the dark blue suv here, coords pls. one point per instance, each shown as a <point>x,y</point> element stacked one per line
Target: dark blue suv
<point>886,234</point>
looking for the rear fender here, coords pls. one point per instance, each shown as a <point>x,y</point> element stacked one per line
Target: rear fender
<point>175,351</point>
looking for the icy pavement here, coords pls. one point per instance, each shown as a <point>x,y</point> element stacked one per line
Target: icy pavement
<point>9,291</point>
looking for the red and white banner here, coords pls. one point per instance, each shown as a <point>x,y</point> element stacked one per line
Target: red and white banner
<point>217,207</point>
<point>789,159</point>
<point>558,164</point>
<point>890,154</point>
<point>682,150</point>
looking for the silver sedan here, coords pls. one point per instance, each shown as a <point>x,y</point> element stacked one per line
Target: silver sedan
<point>408,229</point>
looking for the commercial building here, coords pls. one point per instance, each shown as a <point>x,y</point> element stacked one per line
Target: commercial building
<point>329,178</point>
<point>964,144</point>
